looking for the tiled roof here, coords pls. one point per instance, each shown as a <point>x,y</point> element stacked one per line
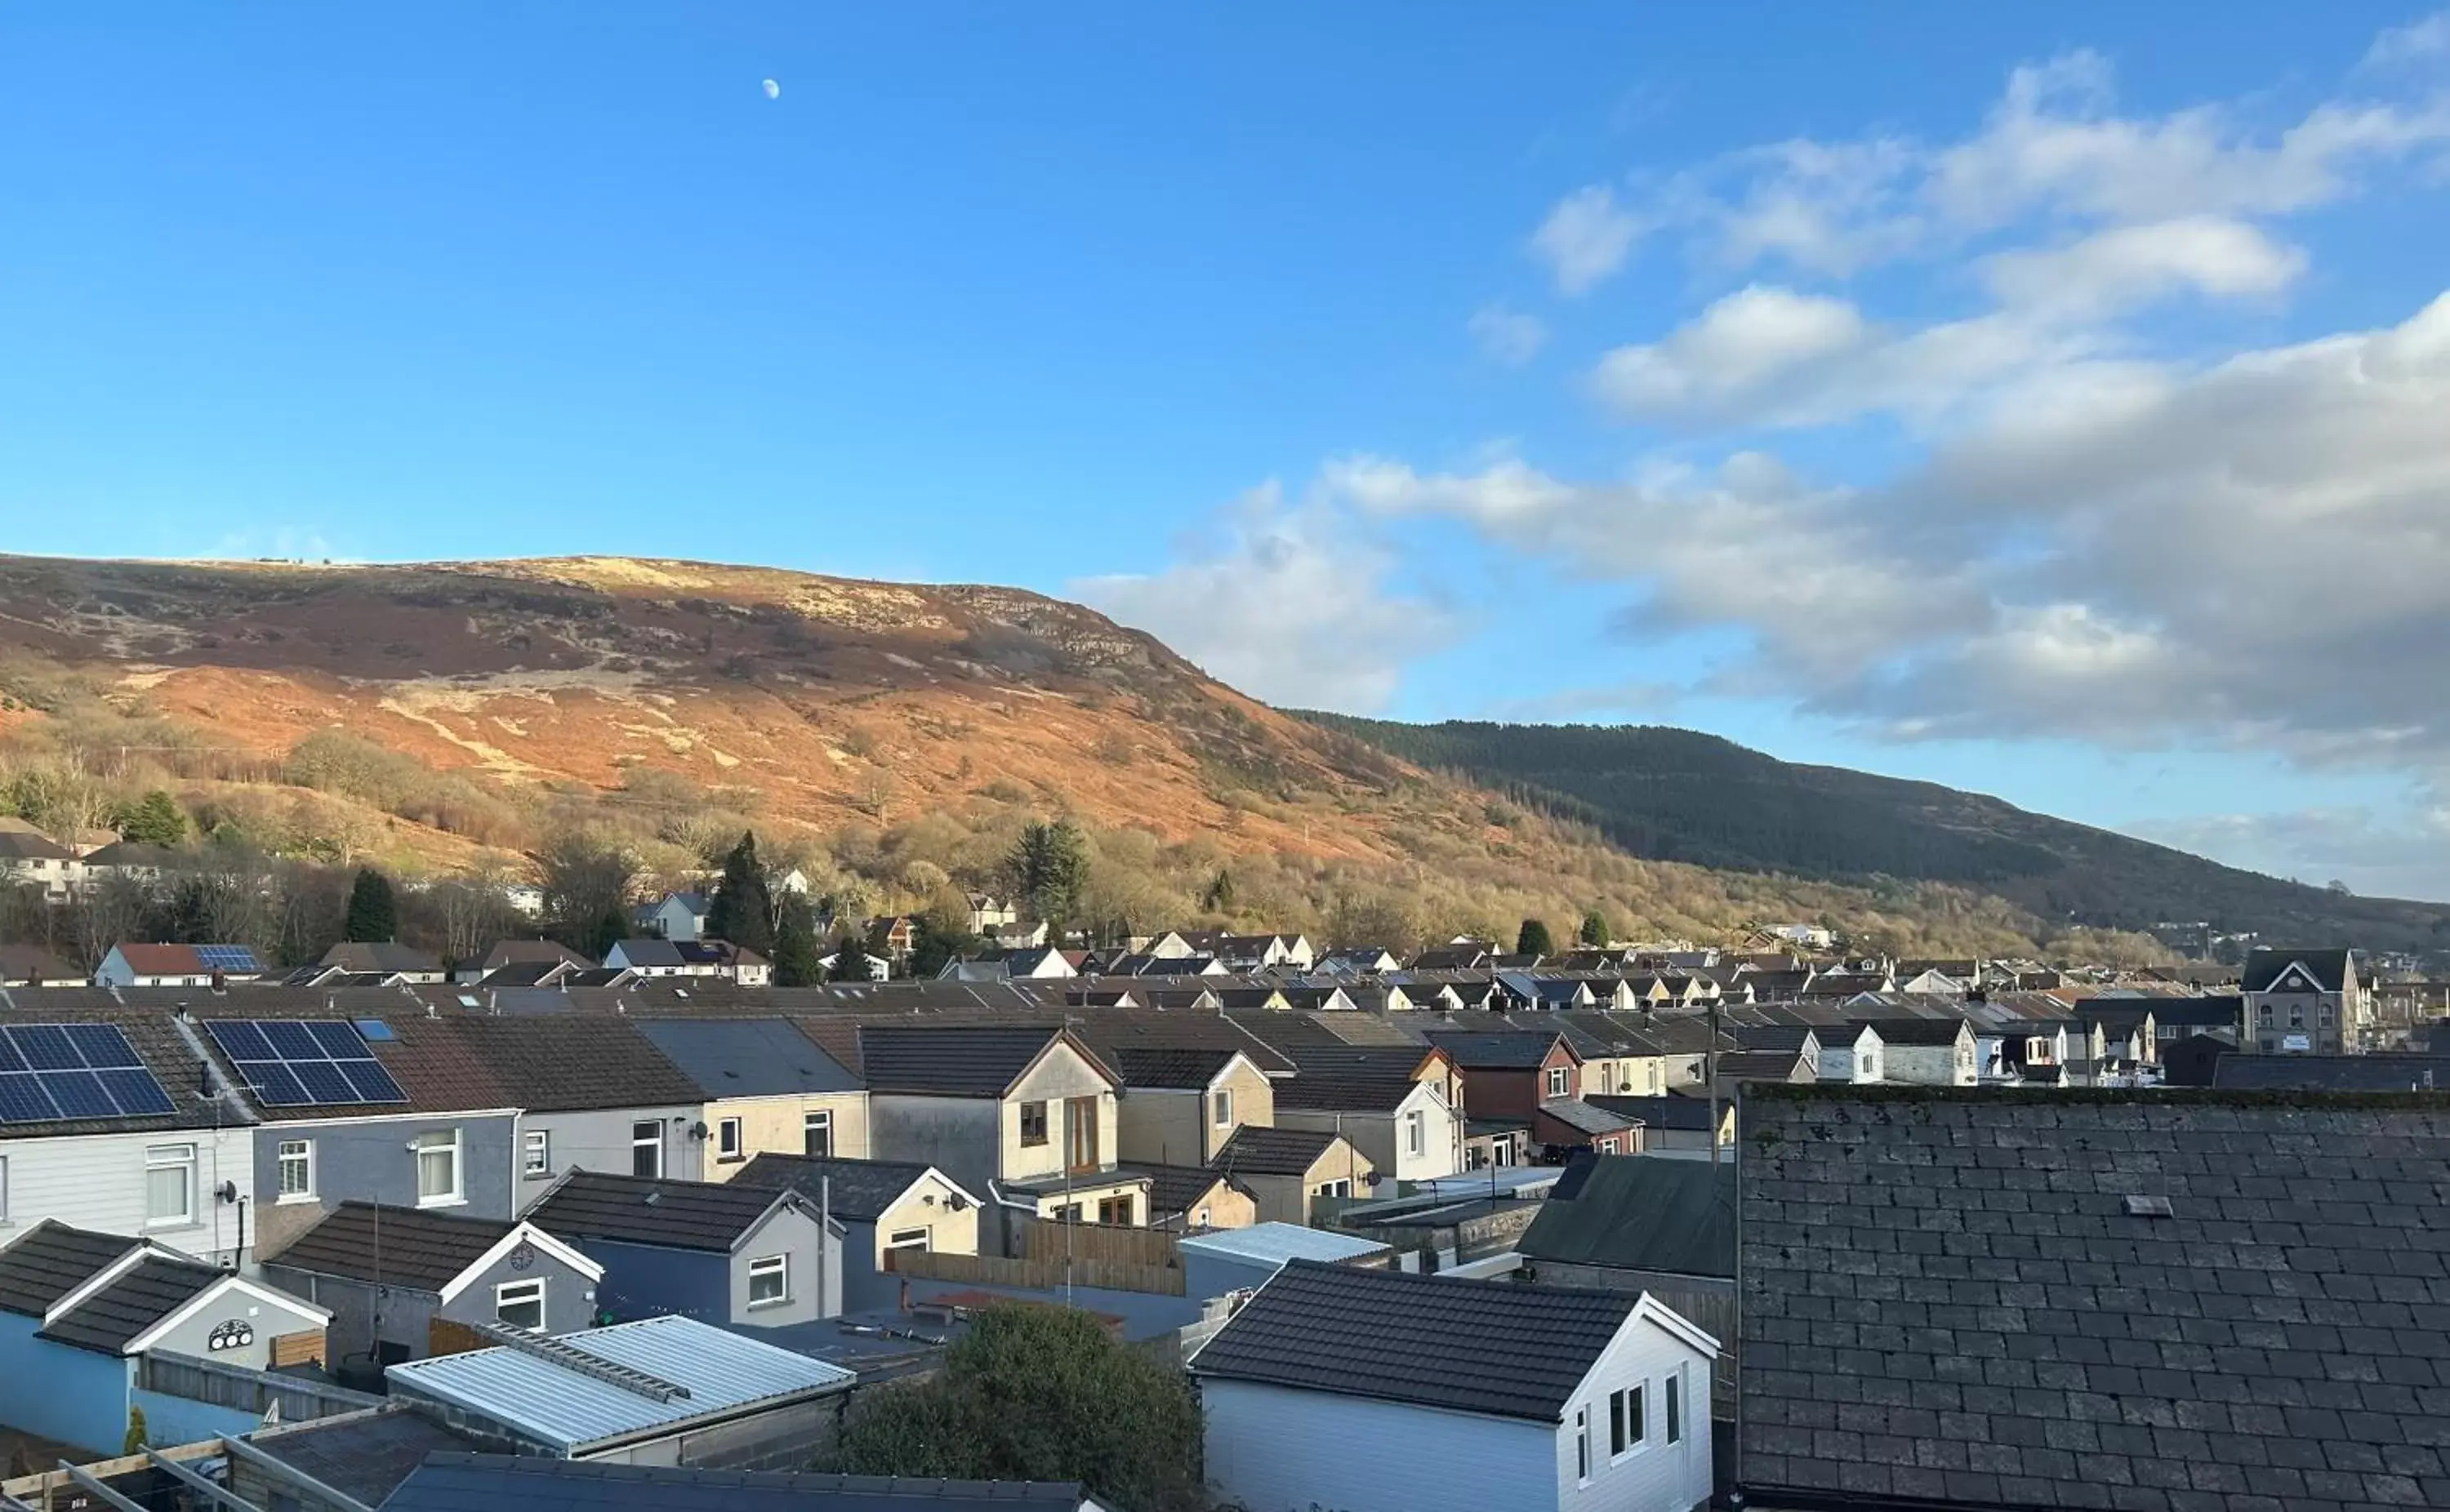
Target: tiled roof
<point>396,1247</point>
<point>1676,1216</point>
<point>131,1303</point>
<point>1761,1065</point>
<point>28,964</point>
<point>1175,1189</point>
<point>497,1483</point>
<point>1333,1091</point>
<point>1493,1052</point>
<point>2213,1012</point>
<point>747,1057</point>
<point>550,1064</point>
<point>2329,968</point>
<point>50,1260</point>
<point>1255,1150</point>
<point>381,958</point>
<point>948,1062</point>
<point>1916,1031</point>
<point>854,1191</point>
<point>1584,1118</point>
<point>512,952</point>
<point>1955,1297</point>
<point>365,1456</point>
<point>153,1035</point>
<point>2381,1073</point>
<point>1146,1066</point>
<point>1481,1346</point>
<point>1689,1115</point>
<point>16,845</point>
<point>654,1211</point>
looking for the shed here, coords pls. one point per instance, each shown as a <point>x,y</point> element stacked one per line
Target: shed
<point>881,1206</point>
<point>1239,1259</point>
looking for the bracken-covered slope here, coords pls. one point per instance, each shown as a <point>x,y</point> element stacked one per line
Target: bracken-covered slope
<point>1677,795</point>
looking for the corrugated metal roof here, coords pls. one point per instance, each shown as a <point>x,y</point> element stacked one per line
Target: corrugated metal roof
<point>1281,1242</point>
<point>540,1400</point>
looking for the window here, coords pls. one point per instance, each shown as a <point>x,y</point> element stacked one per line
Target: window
<point>1628,1419</point>
<point>1676,1408</point>
<point>520,1304</point>
<point>1416,1133</point>
<point>1222,1107</point>
<point>169,1184</point>
<point>817,1135</point>
<point>769,1281</point>
<point>1556,1081</point>
<point>920,1239</point>
<point>727,1139</point>
<point>1583,1444</point>
<point>537,1159</point>
<point>1340,1187</point>
<point>647,1148</point>
<point>438,1169</point>
<point>1032,1124</point>
<point>1116,1210</point>
<point>297,1169</point>
<point>2266,1012</point>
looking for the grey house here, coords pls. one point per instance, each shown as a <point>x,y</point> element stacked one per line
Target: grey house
<point>881,1206</point>
<point>390,1276</point>
<point>594,1095</point>
<point>719,1252</point>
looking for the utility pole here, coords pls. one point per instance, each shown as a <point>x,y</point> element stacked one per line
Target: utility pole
<point>1710,1067</point>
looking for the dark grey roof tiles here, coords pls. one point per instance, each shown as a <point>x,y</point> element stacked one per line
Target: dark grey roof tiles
<point>1583,1118</point>
<point>131,1303</point>
<point>50,1260</point>
<point>1948,1297</point>
<point>747,1057</point>
<point>362,1456</point>
<point>1349,1091</point>
<point>853,1190</point>
<point>1502,1051</point>
<point>2381,1072</point>
<point>654,1211</point>
<point>1156,1066</point>
<point>1482,1346</point>
<point>1175,1189</point>
<point>1256,1150</point>
<point>947,1062</point>
<point>2266,965</point>
<point>399,1246</point>
<point>1632,1214</point>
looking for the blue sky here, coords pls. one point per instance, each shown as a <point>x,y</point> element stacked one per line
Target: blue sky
<point>2043,400</point>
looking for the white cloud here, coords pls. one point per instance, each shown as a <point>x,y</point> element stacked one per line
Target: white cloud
<point>2417,41</point>
<point>1586,238</point>
<point>2375,855</point>
<point>2113,271</point>
<point>1284,604</point>
<point>1508,336</point>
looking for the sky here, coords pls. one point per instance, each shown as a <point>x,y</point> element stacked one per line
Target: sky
<point>2050,402</point>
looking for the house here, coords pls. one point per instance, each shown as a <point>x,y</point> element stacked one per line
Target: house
<point>30,858</point>
<point>1287,1169</point>
<point>1038,964</point>
<point>893,937</point>
<point>1024,1116</point>
<point>666,1390</point>
<point>501,1482</point>
<point>1735,1066</point>
<point>1926,1052</point>
<point>1676,1122</point>
<point>403,1283</point>
<point>1533,1079</point>
<point>2211,1014</point>
<point>1470,1394</point>
<point>881,1206</point>
<point>30,966</point>
<point>132,860</point>
<point>674,915</point>
<point>1180,1106</point>
<point>1358,961</point>
<point>704,1249</point>
<point>1195,1199</point>
<point>2194,1061</point>
<point>1405,1127</point>
<point>2303,1002</point>
<point>879,968</point>
<point>691,957</point>
<point>525,952</point>
<point>80,1309</point>
<point>140,965</point>
<point>989,913</point>
<point>2287,1360</point>
<point>1245,1259</point>
<point>593,1093</point>
<point>386,959</point>
<point>768,1087</point>
<point>2375,1073</point>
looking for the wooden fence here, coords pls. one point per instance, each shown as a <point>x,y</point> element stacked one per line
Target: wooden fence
<point>1036,1275</point>
<point>1106,1244</point>
<point>245,1391</point>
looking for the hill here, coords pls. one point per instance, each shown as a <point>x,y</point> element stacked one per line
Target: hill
<point>891,738</point>
<point>1677,795</point>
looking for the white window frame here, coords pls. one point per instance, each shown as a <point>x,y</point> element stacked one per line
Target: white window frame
<point>4,1192</point>
<point>1558,1086</point>
<point>299,1152</point>
<point>810,1122</point>
<point>435,1142</point>
<point>1628,1407</point>
<point>1416,1133</point>
<point>1583,1446</point>
<point>920,1239</point>
<point>1340,1187</point>
<point>768,1265</point>
<point>639,1141</point>
<point>535,1158</point>
<point>1220,1107</point>
<point>502,1299</point>
<point>730,1142</point>
<point>171,1157</point>
<point>1672,1402</point>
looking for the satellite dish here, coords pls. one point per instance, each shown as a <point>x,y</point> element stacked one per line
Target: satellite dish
<point>773,90</point>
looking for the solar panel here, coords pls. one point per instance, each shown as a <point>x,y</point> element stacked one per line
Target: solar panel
<point>136,1092</point>
<point>291,1063</point>
<point>54,1072</point>
<point>46,1047</point>
<point>228,958</point>
<point>10,1059</point>
<point>23,1100</point>
<point>374,1029</point>
<point>78,1094</point>
<point>103,1045</point>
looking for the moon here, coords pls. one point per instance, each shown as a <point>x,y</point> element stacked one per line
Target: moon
<point>773,90</point>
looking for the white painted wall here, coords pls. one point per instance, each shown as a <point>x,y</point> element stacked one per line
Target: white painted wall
<point>1271,1450</point>
<point>97,1181</point>
<point>1658,1477</point>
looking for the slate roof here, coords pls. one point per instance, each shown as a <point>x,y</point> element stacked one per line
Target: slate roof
<point>381,958</point>
<point>1687,1114</point>
<point>1947,1296</point>
<point>16,845</point>
<point>1482,1346</point>
<point>151,1033</point>
<point>963,1061</point>
<point>1255,1150</point>
<point>362,1454</point>
<point>412,1248</point>
<point>1501,1051</point>
<point>30,963</point>
<point>1176,1189</point>
<point>1629,1213</point>
<point>1154,1066</point>
<point>50,1260</point>
<point>2381,1073</point>
<point>1919,1032</point>
<point>515,952</point>
<point>854,1191</point>
<point>747,1057</point>
<point>1761,1065</point>
<point>498,1482</point>
<point>1584,1118</point>
<point>1332,1092</point>
<point>711,1215</point>
<point>561,1064</point>
<point>2329,968</point>
<point>2215,1012</point>
<point>132,1302</point>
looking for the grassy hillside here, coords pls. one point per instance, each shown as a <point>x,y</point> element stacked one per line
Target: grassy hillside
<point>1675,795</point>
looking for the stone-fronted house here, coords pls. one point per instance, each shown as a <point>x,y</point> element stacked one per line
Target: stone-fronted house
<point>2303,1002</point>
